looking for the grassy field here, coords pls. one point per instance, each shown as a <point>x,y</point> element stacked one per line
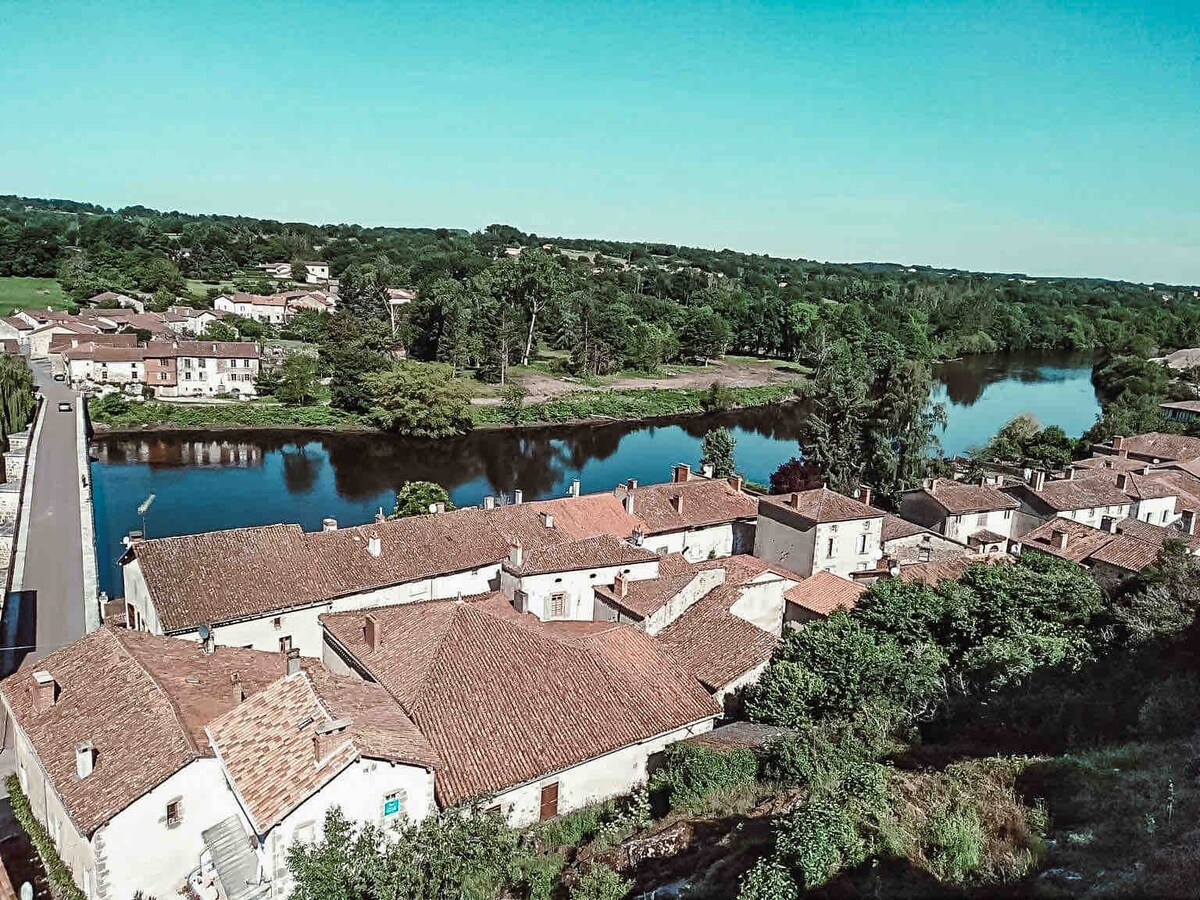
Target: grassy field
<point>25,293</point>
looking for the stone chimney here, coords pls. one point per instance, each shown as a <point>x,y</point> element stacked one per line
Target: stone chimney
<point>1108,464</point>
<point>45,690</point>
<point>489,502</point>
<point>1122,481</point>
<point>1058,538</point>
<point>518,497</point>
<point>631,484</point>
<point>329,524</point>
<point>238,691</point>
<point>516,553</point>
<point>372,634</point>
<point>439,507</point>
<point>628,501</point>
<point>680,473</point>
<point>863,494</point>
<point>574,490</point>
<point>547,519</point>
<point>1118,443</point>
<point>85,758</point>
<point>291,661</point>
<point>1109,524</point>
<point>794,500</point>
<point>380,518</point>
<point>677,503</point>
<point>735,482</point>
<point>374,545</point>
<point>1037,480</point>
<point>328,737</point>
<point>620,585</point>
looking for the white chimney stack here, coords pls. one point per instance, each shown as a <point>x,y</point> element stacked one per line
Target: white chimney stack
<point>515,553</point>
<point>374,545</point>
<point>574,492</point>
<point>329,524</point>
<point>547,519</point>
<point>489,502</point>
<point>518,497</point>
<point>85,759</point>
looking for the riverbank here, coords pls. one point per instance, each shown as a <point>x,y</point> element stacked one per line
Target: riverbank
<point>578,407</point>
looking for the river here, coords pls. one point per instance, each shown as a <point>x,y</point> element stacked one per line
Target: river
<point>206,482</point>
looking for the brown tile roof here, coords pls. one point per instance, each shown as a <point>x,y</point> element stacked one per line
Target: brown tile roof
<point>586,553</point>
<point>1184,405</point>
<point>1082,540</point>
<point>895,528</point>
<point>61,342</point>
<point>646,597</point>
<point>105,353</point>
<point>1116,463</point>
<point>1133,546</point>
<point>266,743</point>
<point>957,497</point>
<point>697,503</point>
<point>585,516</point>
<point>985,536</point>
<point>143,702</point>
<point>932,573</point>
<point>715,645</point>
<point>19,324</point>
<point>1084,491</point>
<point>217,349</point>
<point>823,592</point>
<point>226,576</point>
<point>10,346</point>
<point>1160,445</point>
<point>821,505</point>
<point>742,568</point>
<point>505,699</point>
<point>66,327</point>
<point>1184,485</point>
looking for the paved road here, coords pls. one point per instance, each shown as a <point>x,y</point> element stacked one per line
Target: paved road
<point>54,560</point>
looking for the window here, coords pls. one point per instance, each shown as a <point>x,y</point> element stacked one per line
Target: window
<point>1008,514</point>
<point>558,605</point>
<point>174,812</point>
<point>285,643</point>
<point>862,542</point>
<point>201,363</point>
<point>395,806</point>
<point>829,550</point>
<point>187,376</point>
<point>305,832</point>
<point>981,519</point>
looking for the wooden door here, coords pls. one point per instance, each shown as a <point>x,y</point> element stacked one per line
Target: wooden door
<point>549,801</point>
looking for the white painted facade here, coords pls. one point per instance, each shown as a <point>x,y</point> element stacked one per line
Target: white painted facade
<point>842,548</point>
<point>1158,511</point>
<point>961,527</point>
<point>300,626</point>
<point>568,595</point>
<point>87,371</point>
<point>695,589</point>
<point>272,313</point>
<point>696,544</point>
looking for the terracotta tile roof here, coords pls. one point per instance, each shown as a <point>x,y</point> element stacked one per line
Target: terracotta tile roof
<point>984,536</point>
<point>895,528</point>
<point>66,327</point>
<point>61,342</point>
<point>587,553</point>
<point>823,592</point>
<point>646,597</point>
<point>820,505</point>
<point>10,346</point>
<point>743,567</point>
<point>1089,491</point>
<point>957,497</point>
<point>1133,545</point>
<point>217,349</point>
<point>142,701</point>
<point>226,576</point>
<point>949,570</point>
<point>1184,485</point>
<point>105,353</point>
<point>1160,445</point>
<point>266,743</point>
<point>1183,405</point>
<point>715,645</point>
<point>1190,466</point>
<point>505,699</point>
<point>19,324</point>
<point>697,503</point>
<point>585,516</point>
<point>1081,540</point>
<point>1116,463</point>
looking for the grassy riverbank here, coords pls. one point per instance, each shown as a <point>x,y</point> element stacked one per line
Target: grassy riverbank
<point>580,406</point>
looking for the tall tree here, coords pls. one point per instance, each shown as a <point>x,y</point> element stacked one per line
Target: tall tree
<point>716,450</point>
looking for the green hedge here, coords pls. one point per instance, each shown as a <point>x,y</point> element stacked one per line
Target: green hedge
<point>693,774</point>
<point>123,414</point>
<point>62,885</point>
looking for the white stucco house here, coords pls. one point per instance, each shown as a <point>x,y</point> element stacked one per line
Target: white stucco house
<point>819,530</point>
<point>961,511</point>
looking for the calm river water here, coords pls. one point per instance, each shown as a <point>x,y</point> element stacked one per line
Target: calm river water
<point>205,482</point>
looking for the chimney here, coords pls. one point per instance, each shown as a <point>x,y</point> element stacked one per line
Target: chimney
<point>735,482</point>
<point>620,585</point>
<point>929,484</point>
<point>489,502</point>
<point>518,497</point>
<point>291,661</point>
<point>1038,480</point>
<point>439,507</point>
<point>1058,538</point>
<point>863,494</point>
<point>574,491</point>
<point>328,737</point>
<point>380,518</point>
<point>1070,473</point>
<point>1109,524</point>
<point>329,524</point>
<point>239,690</point>
<point>1108,464</point>
<point>371,633</point>
<point>681,473</point>
<point>628,501</point>
<point>374,545</point>
<point>794,500</point>
<point>85,758</point>
<point>677,503</point>
<point>515,553</point>
<point>1122,481</point>
<point>1118,443</point>
<point>134,537</point>
<point>45,690</point>
<point>547,519</point>
<point>1187,521</point>
<point>1145,470</point>
<point>631,484</point>
<point>893,567</point>
<point>708,471</point>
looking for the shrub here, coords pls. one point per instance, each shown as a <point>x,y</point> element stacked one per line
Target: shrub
<point>955,841</point>
<point>600,882</point>
<point>694,774</point>
<point>62,884</point>
<point>818,840</point>
<point>768,879</point>
<point>1172,708</point>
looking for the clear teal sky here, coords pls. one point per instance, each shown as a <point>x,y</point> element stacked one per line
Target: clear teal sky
<point>1050,138</point>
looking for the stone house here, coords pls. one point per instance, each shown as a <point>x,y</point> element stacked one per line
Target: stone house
<point>960,511</point>
<point>819,530</point>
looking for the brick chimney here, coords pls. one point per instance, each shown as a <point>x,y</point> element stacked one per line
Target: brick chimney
<point>1037,480</point>
<point>735,482</point>
<point>328,736</point>
<point>45,690</point>
<point>85,759</point>
<point>372,634</point>
<point>1122,481</point>
<point>681,473</point>
<point>863,494</point>
<point>516,553</point>
<point>1058,538</point>
<point>677,503</point>
<point>620,585</point>
<point>291,661</point>
<point>329,524</point>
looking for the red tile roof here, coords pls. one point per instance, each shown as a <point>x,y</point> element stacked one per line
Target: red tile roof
<point>820,505</point>
<point>715,645</point>
<point>1133,545</point>
<point>1084,491</point>
<point>957,497</point>
<point>644,598</point>
<point>932,573</point>
<point>505,699</point>
<point>1160,445</point>
<point>142,701</point>
<point>697,503</point>
<point>604,550</point>
<point>266,743</point>
<point>823,592</point>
